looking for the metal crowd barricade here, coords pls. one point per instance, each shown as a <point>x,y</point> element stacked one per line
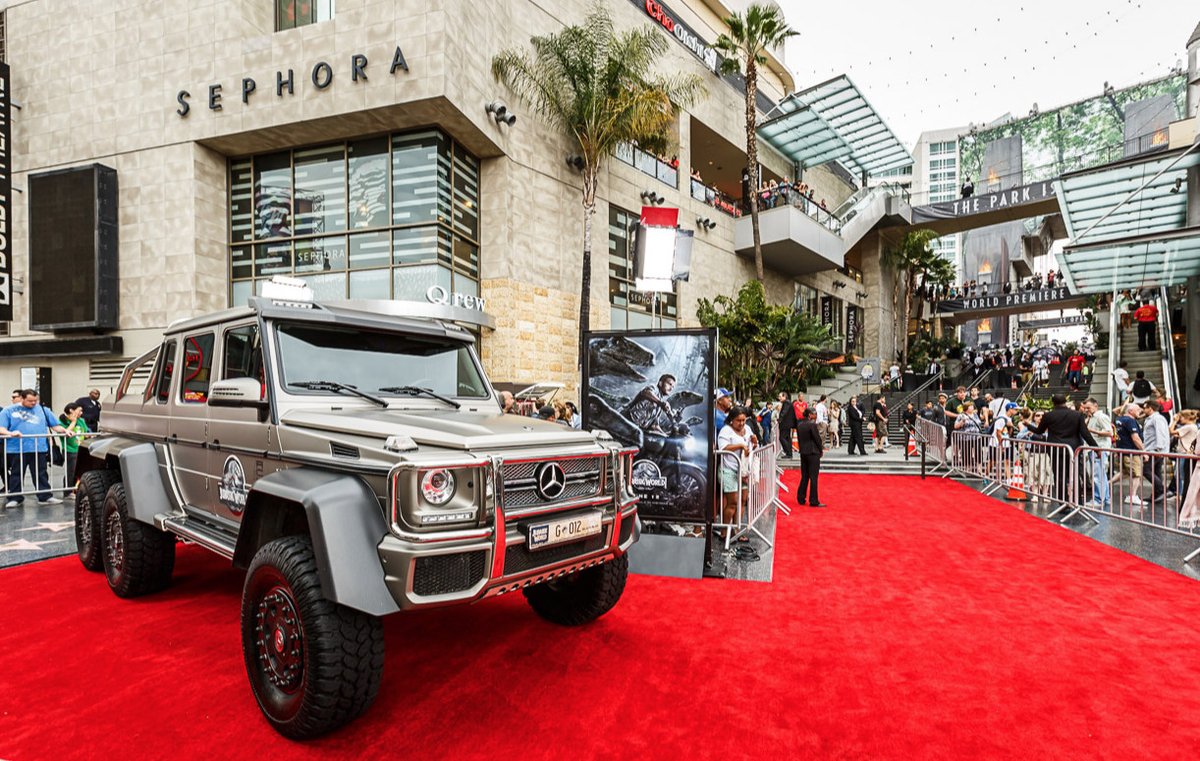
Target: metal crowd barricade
<point>1149,488</point>
<point>760,473</point>
<point>30,470</point>
<point>933,437</point>
<point>1038,469</point>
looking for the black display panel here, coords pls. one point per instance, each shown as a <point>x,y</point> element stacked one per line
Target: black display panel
<point>73,249</point>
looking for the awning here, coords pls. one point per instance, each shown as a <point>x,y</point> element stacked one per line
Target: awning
<point>1142,242</point>
<point>1146,261</point>
<point>833,121</point>
<point>1087,196</point>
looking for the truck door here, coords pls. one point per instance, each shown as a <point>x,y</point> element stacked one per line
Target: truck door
<point>238,438</point>
<point>189,418</point>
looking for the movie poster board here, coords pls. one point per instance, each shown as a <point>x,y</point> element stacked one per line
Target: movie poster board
<point>654,390</point>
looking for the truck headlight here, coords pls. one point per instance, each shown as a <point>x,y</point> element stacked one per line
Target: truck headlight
<point>437,486</point>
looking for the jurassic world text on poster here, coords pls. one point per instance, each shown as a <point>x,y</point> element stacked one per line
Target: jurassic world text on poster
<point>653,390</point>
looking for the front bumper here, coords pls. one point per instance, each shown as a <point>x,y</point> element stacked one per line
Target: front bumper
<point>454,567</point>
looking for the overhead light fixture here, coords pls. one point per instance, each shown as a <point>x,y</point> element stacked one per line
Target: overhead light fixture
<point>705,223</point>
<point>500,113</point>
<point>1178,185</point>
<point>652,198</point>
<point>576,162</point>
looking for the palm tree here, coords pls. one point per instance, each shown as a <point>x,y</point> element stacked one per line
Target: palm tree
<point>909,260</point>
<point>750,35</point>
<point>597,86</point>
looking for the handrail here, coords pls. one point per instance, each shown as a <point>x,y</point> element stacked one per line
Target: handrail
<point>1114,353</point>
<point>1167,344</point>
<point>898,408</point>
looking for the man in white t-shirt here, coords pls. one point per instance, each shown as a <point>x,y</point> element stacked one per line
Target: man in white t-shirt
<point>1121,380</point>
<point>1102,431</point>
<point>1041,370</point>
<point>822,409</point>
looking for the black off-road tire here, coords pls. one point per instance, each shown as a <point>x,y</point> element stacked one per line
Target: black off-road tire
<point>89,500</point>
<point>314,665</point>
<point>581,597</point>
<point>138,558</point>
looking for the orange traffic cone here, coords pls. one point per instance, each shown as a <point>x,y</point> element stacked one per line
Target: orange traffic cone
<point>1016,486</point>
<point>912,446</point>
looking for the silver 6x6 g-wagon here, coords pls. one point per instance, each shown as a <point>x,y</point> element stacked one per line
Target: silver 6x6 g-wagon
<point>356,463</point>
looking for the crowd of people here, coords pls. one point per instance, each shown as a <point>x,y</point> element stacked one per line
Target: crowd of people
<point>970,289</point>
<point>564,413</point>
<point>31,445</point>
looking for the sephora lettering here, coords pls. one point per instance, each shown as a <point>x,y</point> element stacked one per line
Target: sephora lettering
<point>321,75</point>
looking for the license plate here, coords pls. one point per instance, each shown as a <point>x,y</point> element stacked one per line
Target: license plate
<point>563,530</point>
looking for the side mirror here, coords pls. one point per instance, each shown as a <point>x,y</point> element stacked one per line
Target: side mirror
<point>237,392</point>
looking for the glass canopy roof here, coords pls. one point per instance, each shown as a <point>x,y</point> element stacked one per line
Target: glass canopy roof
<point>1138,262</point>
<point>1118,243</point>
<point>832,121</point>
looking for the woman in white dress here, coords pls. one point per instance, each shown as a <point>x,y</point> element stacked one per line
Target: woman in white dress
<point>1187,481</point>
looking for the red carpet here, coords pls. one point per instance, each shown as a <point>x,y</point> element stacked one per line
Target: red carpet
<point>909,620</point>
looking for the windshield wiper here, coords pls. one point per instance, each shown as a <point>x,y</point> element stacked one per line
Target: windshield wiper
<point>419,390</point>
<point>325,385</point>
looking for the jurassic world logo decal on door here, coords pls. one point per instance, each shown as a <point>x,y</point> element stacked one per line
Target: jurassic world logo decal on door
<point>232,490</point>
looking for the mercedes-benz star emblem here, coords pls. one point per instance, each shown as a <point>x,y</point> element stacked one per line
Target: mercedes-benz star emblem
<point>551,481</point>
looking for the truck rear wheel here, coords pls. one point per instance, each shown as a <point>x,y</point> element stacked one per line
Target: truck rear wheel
<point>580,597</point>
<point>313,664</point>
<point>89,499</point>
<point>138,558</point>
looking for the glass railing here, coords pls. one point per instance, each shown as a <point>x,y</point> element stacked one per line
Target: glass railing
<point>715,198</point>
<point>786,195</point>
<point>666,172</point>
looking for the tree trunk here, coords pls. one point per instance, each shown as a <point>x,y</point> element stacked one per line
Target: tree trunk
<point>909,283</point>
<point>752,162</point>
<point>585,283</point>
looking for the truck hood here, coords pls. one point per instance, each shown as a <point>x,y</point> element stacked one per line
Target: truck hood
<point>451,429</point>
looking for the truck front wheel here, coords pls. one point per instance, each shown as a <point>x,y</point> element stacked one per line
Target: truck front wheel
<point>313,664</point>
<point>580,597</point>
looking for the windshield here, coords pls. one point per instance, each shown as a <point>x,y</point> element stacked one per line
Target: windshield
<point>373,360</point>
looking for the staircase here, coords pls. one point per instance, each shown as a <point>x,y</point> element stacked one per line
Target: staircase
<point>1149,362</point>
<point>845,383</point>
<point>1100,378</point>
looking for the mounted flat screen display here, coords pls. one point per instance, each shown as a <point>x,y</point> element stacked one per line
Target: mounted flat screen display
<point>73,249</point>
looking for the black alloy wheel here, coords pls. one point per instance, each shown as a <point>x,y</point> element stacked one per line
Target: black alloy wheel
<point>138,558</point>
<point>89,499</point>
<point>313,664</point>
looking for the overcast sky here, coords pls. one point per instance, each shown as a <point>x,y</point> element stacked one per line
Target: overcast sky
<point>933,64</point>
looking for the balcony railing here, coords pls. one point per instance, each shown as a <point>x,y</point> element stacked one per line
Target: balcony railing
<point>785,194</point>
<point>715,198</point>
<point>647,163</point>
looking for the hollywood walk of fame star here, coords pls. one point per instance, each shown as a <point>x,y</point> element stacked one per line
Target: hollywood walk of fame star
<point>52,527</point>
<point>26,545</point>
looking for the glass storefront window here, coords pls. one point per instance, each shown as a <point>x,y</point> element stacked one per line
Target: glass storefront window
<point>404,209</point>
<point>320,190</point>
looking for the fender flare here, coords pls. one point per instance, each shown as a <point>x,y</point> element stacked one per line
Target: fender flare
<point>346,526</point>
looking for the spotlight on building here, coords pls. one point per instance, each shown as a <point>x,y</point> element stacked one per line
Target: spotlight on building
<point>861,294</point>
<point>1178,185</point>
<point>500,113</point>
<point>652,198</point>
<point>839,284</point>
<point>576,162</point>
<point>704,223</point>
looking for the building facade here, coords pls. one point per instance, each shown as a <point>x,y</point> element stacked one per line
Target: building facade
<point>350,145</point>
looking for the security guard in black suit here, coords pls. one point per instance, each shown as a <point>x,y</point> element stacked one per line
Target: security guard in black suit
<point>811,449</point>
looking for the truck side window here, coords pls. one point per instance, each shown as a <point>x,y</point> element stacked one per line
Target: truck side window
<point>137,379</point>
<point>197,366</point>
<point>243,355</point>
<point>164,372</point>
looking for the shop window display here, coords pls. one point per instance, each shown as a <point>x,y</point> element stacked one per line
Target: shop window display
<point>383,217</point>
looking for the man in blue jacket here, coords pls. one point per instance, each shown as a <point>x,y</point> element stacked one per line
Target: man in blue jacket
<point>26,425</point>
